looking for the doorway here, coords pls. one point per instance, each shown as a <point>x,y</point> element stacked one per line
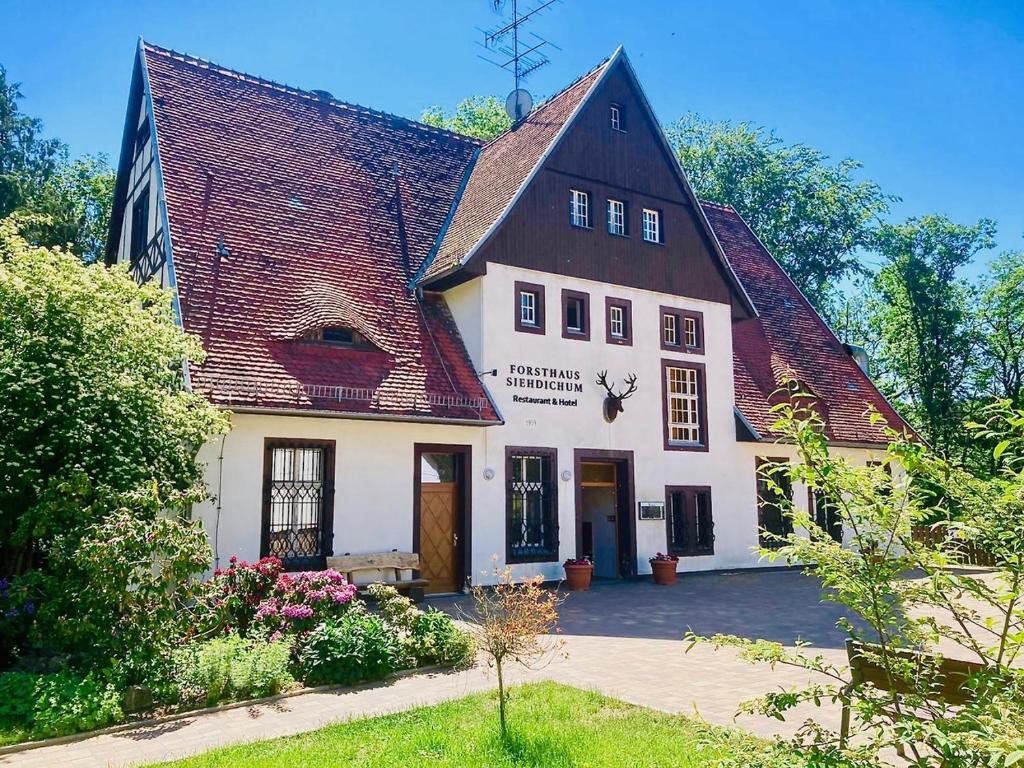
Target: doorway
<point>441,514</point>
<point>605,523</point>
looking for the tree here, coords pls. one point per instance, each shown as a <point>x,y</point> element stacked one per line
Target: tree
<point>482,117</point>
<point>813,215</point>
<point>93,405</point>
<point>1001,320</point>
<point>921,313</point>
<point>911,600</point>
<point>70,201</point>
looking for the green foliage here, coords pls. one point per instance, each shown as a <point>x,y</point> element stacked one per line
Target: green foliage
<point>923,319</point>
<point>1001,319</point>
<point>812,215</point>
<point>232,668</point>
<point>482,117</point>
<point>428,637</point>
<point>910,597</point>
<point>123,590</point>
<point>357,647</point>
<point>71,200</point>
<point>60,703</point>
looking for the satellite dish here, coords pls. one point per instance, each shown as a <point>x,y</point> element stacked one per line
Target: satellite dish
<point>518,104</point>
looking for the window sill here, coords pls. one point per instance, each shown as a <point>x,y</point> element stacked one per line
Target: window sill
<point>623,235</point>
<point>678,445</point>
<point>553,558</point>
<point>584,227</point>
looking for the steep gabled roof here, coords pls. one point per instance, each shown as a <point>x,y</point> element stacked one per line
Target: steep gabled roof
<point>789,339</point>
<point>327,210</point>
<point>503,170</point>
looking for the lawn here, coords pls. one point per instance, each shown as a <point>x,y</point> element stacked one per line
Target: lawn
<point>553,725</point>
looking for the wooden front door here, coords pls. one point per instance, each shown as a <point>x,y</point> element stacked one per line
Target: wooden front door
<point>439,521</point>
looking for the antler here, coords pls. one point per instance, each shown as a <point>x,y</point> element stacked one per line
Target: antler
<point>602,379</point>
<point>631,386</point>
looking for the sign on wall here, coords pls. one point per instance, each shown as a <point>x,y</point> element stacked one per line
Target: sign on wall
<point>652,510</point>
<point>538,385</point>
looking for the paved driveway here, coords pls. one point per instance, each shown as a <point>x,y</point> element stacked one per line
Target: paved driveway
<point>622,638</point>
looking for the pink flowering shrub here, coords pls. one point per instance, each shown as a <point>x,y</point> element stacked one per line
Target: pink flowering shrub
<point>261,596</point>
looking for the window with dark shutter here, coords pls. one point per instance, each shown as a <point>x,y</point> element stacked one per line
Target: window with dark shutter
<point>531,505</point>
<point>690,523</point>
<point>774,494</point>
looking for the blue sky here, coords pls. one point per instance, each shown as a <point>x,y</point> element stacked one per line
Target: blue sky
<point>928,95</point>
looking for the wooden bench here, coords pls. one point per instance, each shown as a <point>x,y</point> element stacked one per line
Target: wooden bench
<point>952,677</point>
<point>393,561</point>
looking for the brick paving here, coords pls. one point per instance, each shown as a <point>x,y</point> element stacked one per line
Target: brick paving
<point>621,638</point>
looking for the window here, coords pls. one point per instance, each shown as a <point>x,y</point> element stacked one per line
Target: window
<point>615,118</point>
<point>652,225</point>
<point>531,505</point>
<point>825,513</point>
<point>298,502</point>
<point>620,320</point>
<point>579,208</point>
<point>617,218</point>
<point>142,136</point>
<point>682,330</point>
<point>529,301</point>
<point>683,404</point>
<point>140,225</point>
<point>774,494</point>
<point>575,315</point>
<point>691,527</point>
<point>338,335</point>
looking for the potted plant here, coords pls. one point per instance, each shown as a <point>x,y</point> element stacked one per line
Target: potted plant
<point>578,573</point>
<point>664,568</point>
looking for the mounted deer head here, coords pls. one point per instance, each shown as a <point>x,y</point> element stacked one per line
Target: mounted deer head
<point>613,402</point>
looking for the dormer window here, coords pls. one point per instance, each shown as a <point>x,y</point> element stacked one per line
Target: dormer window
<point>615,118</point>
<point>341,336</point>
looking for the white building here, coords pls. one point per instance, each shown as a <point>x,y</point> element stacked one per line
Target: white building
<point>408,327</point>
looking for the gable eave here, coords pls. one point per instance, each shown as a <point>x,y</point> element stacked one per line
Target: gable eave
<point>124,162</point>
<point>510,206</point>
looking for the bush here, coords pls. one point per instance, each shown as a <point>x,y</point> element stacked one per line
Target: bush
<point>434,639</point>
<point>261,597</point>
<point>357,647</point>
<point>232,668</point>
<point>61,703</point>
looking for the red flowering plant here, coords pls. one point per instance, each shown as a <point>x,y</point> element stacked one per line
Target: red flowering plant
<point>261,596</point>
<point>662,557</point>
<point>578,561</point>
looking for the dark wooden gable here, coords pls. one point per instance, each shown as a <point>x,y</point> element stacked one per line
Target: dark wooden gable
<point>632,166</point>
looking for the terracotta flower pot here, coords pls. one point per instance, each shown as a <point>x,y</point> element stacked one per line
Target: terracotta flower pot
<point>664,571</point>
<point>578,577</point>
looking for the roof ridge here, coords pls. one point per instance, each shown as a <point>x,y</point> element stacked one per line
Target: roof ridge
<point>547,102</point>
<point>292,90</point>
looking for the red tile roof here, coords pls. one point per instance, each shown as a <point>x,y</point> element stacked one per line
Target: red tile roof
<point>501,169</point>
<point>789,339</point>
<point>320,232</point>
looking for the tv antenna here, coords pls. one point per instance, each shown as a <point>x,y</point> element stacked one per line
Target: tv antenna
<point>520,54</point>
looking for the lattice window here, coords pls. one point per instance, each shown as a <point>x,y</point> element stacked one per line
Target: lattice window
<point>297,503</point>
<point>528,307</point>
<point>616,217</point>
<point>670,329</point>
<point>617,321</point>
<point>579,208</point>
<point>690,334</point>
<point>615,117</point>
<point>532,507</point>
<point>140,225</point>
<point>683,406</point>
<point>652,225</point>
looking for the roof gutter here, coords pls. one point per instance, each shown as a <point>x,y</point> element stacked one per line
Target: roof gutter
<point>320,414</point>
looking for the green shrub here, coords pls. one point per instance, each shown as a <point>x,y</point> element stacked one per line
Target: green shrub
<point>397,610</point>
<point>232,668</point>
<point>434,639</point>
<point>60,703</point>
<point>356,647</point>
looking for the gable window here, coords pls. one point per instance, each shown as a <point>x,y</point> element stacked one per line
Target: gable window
<point>652,225</point>
<point>142,136</point>
<point>620,320</point>
<point>682,330</point>
<point>689,520</point>
<point>615,118</point>
<point>531,505</point>
<point>529,299</point>
<point>575,315</point>
<point>825,512</point>
<point>617,218</point>
<point>685,414</point>
<point>579,208</point>
<point>298,502</point>
<point>140,225</point>
<point>774,495</point>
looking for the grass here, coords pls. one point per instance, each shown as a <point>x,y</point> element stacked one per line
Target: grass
<point>551,725</point>
<point>11,733</point>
